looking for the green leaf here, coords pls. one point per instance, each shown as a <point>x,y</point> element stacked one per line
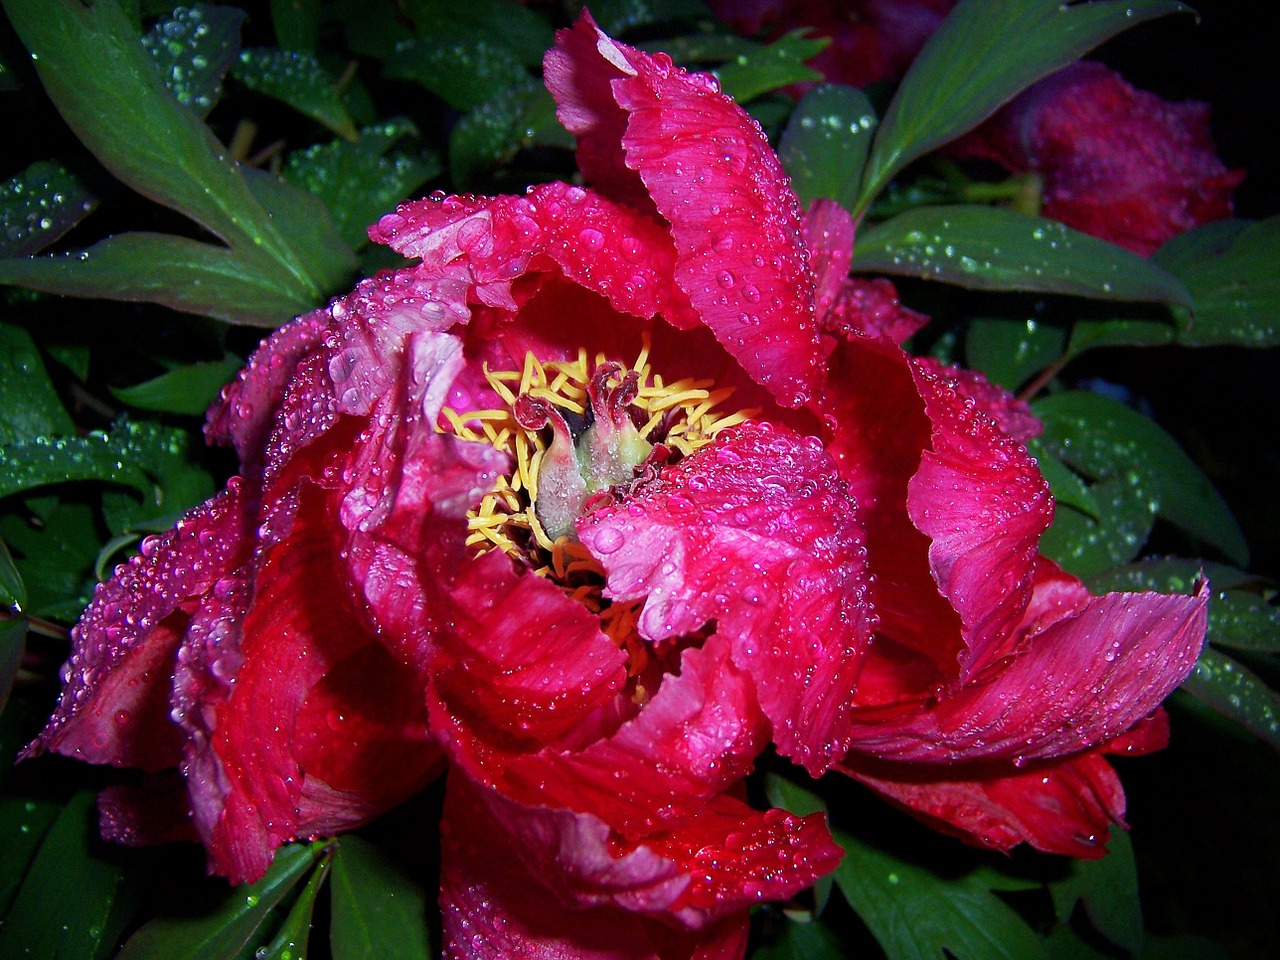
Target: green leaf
<point>194,47</point>
<point>1237,693</point>
<point>361,180</point>
<point>297,80</point>
<point>916,914</point>
<point>64,905</point>
<point>1120,332</point>
<point>175,272</point>
<point>55,550</point>
<point>297,24</point>
<point>800,941</point>
<point>1238,617</point>
<point>984,54</point>
<point>1068,488</point>
<point>187,390</point>
<point>13,635</point>
<point>617,17</point>
<point>991,248</point>
<point>39,205</point>
<point>304,222</point>
<point>105,86</point>
<point>464,68</point>
<point>1108,890</point>
<point>490,132</point>
<point>234,924</point>
<point>1103,438</point>
<point>770,67</point>
<point>291,939</point>
<point>1237,290</point>
<point>379,909</point>
<point>1010,351</point>
<point>825,144</point>
<point>31,464</point>
<point>518,28</point>
<point>13,592</point>
<point>1088,543</point>
<point>29,405</point>
<point>24,822</point>
<point>165,454</point>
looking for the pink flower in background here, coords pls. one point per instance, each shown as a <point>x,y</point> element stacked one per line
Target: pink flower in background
<point>1117,162</point>
<point>609,491</point>
<point>871,40</point>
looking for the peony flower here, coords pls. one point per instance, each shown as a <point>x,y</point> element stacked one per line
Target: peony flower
<point>871,40</point>
<point>1117,162</point>
<point>586,504</point>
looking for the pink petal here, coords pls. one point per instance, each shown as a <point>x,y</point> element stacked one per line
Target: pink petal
<point>495,907</point>
<point>737,856</point>
<point>876,430</point>
<point>1082,681</point>
<point>980,498</point>
<point>712,175</point>
<point>701,732</point>
<point>524,664</point>
<point>258,690</point>
<point>756,534</point>
<point>1012,415</point>
<point>828,235</point>
<point>870,308</point>
<point>114,706</point>
<point>1058,806</point>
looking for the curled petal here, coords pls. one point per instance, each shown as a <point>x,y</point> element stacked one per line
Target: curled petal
<point>495,906</point>
<point>735,221</point>
<point>980,498</point>
<point>755,533</point>
<point>115,705</point>
<point>1082,681</point>
<point>828,235</point>
<point>699,734</point>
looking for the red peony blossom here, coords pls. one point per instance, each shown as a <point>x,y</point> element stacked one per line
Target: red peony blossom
<point>1117,162</point>
<point>871,40</point>
<point>585,505</point>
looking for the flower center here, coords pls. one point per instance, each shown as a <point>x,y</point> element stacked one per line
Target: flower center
<point>580,432</point>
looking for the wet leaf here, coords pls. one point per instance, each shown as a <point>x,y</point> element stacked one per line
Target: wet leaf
<point>236,923</point>
<point>1085,544</point>
<point>1068,487</point>
<point>517,27</point>
<point>379,910</point>
<point>13,595</point>
<point>984,54</point>
<point>106,88</point>
<point>1010,351</point>
<point>463,68</point>
<point>13,633</point>
<point>175,272</point>
<point>54,550</point>
<point>1108,891</point>
<point>64,905</point>
<point>770,67</point>
<point>194,48</point>
<point>490,132</point>
<point>617,17</point>
<point>29,404</point>
<point>297,24</point>
<point>39,205</point>
<point>800,941</point>
<point>290,941</point>
<point>916,914</point>
<point>990,248</point>
<point>1237,290</point>
<point>24,821</point>
<point>189,389</point>
<point>360,180</point>
<point>1104,439</point>
<point>1237,693</point>
<point>826,141</point>
<point>296,79</point>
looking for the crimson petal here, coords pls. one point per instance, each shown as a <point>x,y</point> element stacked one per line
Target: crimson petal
<point>712,175</point>
<point>115,705</point>
<point>757,534</point>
